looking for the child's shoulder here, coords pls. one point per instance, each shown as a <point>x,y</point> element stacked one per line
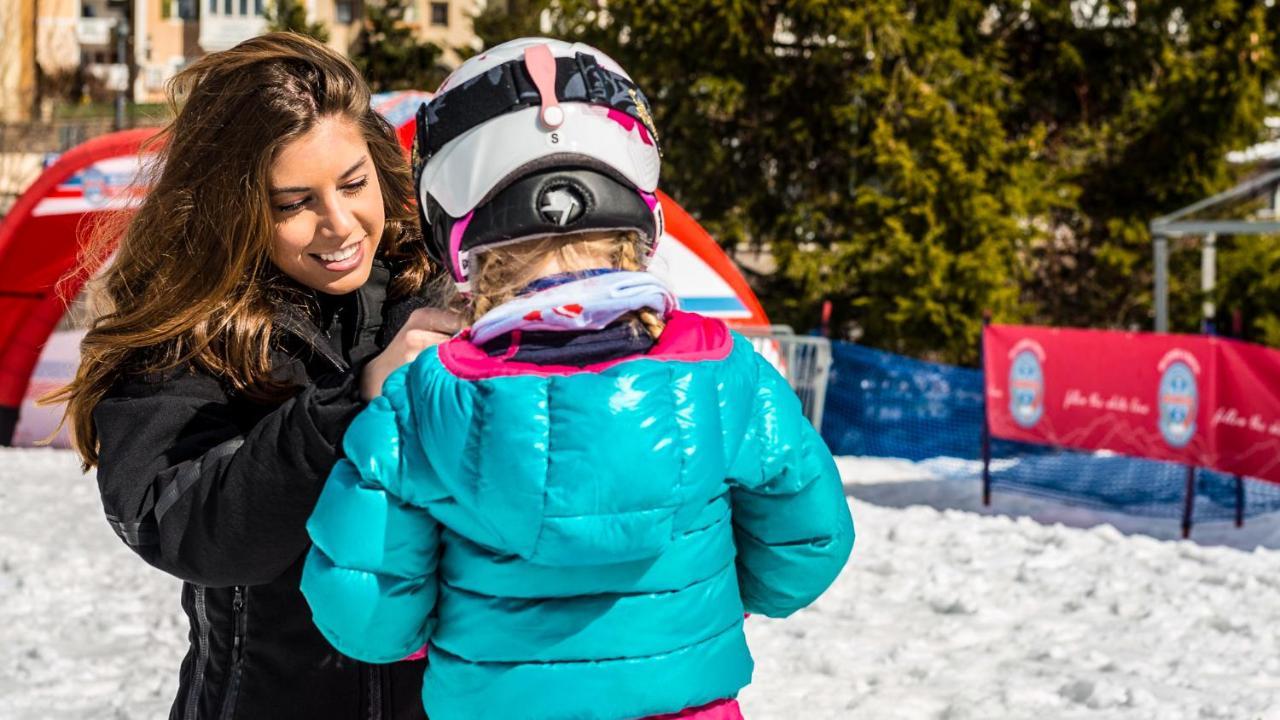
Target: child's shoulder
<point>690,337</point>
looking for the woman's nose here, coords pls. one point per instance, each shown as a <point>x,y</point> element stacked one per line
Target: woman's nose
<point>338,216</point>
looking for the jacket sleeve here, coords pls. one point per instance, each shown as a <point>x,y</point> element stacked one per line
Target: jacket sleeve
<point>370,577</point>
<point>206,494</point>
<point>791,521</point>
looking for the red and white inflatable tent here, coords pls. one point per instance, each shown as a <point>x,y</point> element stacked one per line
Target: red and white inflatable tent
<point>40,240</point>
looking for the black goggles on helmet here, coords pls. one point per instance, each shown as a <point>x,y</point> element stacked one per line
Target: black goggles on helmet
<point>508,87</point>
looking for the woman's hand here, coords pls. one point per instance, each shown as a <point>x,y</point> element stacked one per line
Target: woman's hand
<point>426,327</point>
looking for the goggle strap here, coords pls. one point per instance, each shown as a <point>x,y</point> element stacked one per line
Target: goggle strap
<point>508,87</point>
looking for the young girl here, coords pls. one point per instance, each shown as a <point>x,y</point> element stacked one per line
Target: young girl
<point>572,503</point>
<point>245,330</point>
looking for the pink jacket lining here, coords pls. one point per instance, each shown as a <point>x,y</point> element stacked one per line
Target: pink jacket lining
<point>687,338</point>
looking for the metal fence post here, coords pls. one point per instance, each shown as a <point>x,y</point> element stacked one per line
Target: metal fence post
<point>986,427</point>
<point>1208,282</point>
<point>1161,243</point>
<point>1190,502</point>
<point>1239,501</point>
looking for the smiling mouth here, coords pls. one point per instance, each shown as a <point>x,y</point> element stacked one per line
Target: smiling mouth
<point>340,254</point>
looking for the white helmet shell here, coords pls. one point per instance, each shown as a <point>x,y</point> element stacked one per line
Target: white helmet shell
<point>467,171</point>
<point>532,106</point>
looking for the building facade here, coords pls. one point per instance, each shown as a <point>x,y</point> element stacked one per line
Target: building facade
<point>63,37</point>
<point>17,60</point>
<point>446,24</point>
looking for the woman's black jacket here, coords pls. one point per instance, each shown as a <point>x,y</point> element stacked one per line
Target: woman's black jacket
<point>216,489</point>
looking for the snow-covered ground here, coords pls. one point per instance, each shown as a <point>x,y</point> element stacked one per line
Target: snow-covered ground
<point>88,630</point>
<point>1028,609</point>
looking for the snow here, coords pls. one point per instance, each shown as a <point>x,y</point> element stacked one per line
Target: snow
<point>1028,609</point>
<point>90,631</point>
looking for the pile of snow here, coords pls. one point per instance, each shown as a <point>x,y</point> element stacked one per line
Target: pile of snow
<point>1028,609</point>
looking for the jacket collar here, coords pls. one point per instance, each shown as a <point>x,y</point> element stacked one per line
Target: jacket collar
<point>302,321</point>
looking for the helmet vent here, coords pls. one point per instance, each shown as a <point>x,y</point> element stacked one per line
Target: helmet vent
<point>561,204</point>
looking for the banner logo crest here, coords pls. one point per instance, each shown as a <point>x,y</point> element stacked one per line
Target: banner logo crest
<point>1026,389</point>
<point>1179,398</point>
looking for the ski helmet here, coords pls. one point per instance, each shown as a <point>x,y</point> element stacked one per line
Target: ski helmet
<point>533,138</point>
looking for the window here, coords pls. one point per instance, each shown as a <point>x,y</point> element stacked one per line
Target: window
<point>343,11</point>
<point>213,7</point>
<point>244,7</point>
<point>187,9</point>
<point>226,8</point>
<point>440,13</point>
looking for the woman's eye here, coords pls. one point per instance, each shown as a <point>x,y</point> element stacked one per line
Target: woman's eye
<point>292,206</point>
<point>351,188</point>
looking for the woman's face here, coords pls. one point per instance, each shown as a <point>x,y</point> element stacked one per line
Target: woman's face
<point>327,206</point>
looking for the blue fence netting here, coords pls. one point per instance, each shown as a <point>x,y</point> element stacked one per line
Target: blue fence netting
<point>884,405</point>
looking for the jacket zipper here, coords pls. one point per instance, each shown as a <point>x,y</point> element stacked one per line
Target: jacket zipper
<point>374,678</point>
<point>288,322</point>
<point>361,314</point>
<point>239,621</point>
<point>202,653</point>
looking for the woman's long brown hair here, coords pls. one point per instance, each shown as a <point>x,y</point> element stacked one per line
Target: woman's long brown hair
<point>192,281</point>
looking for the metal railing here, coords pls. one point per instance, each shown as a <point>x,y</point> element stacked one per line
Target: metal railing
<point>804,360</point>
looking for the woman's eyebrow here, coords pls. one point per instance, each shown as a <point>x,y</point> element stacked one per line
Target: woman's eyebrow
<point>354,167</point>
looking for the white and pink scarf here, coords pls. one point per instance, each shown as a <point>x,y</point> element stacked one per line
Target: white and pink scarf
<point>582,301</point>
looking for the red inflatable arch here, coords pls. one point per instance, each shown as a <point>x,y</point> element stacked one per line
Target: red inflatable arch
<point>41,237</point>
<point>40,240</point>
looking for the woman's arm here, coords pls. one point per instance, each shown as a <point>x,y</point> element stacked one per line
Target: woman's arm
<point>206,494</point>
<point>197,494</point>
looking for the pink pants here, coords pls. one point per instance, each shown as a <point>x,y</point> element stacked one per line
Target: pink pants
<point>718,710</point>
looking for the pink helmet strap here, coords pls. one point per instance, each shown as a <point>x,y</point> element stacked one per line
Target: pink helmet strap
<point>542,68</point>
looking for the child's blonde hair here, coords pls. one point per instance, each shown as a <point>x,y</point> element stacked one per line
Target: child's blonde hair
<point>501,273</point>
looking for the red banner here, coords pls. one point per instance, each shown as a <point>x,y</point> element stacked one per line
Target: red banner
<point>1190,399</point>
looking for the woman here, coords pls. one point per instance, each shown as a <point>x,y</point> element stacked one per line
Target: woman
<point>252,306</point>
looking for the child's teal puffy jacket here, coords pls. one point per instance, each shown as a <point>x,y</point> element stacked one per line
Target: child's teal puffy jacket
<point>576,543</point>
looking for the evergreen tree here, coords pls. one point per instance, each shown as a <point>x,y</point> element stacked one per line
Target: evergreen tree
<point>389,55</point>
<point>501,21</point>
<point>1142,104</point>
<point>291,16</point>
<point>1249,283</point>
<point>861,143</point>
<point>920,162</point>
